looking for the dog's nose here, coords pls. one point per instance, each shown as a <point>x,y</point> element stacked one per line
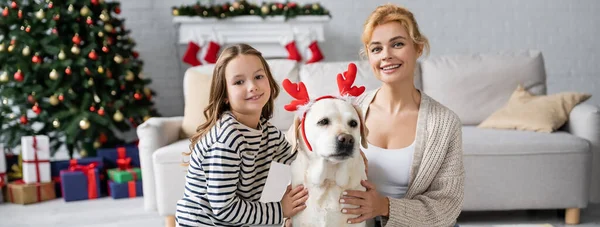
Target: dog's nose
<point>345,139</point>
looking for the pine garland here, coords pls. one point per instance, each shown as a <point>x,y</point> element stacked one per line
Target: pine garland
<point>243,8</point>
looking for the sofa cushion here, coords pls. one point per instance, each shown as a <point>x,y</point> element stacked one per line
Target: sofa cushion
<point>543,113</point>
<point>474,86</point>
<point>480,141</point>
<point>196,87</point>
<point>320,78</point>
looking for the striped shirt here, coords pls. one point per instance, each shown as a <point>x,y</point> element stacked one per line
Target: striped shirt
<point>227,173</point>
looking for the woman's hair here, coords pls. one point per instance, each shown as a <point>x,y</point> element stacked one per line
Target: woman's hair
<point>218,90</point>
<point>393,13</point>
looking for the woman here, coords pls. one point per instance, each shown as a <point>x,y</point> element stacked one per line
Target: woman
<point>416,175</point>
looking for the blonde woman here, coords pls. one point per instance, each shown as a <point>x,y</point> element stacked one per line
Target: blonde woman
<point>416,174</point>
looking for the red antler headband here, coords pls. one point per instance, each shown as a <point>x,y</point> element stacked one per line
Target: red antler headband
<point>299,92</point>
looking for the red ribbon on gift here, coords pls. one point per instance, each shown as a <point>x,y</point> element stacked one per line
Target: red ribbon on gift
<point>88,170</point>
<point>2,175</point>
<point>38,188</point>
<point>36,161</point>
<point>131,187</point>
<point>122,160</point>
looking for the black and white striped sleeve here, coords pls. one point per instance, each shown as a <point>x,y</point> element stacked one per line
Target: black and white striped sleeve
<point>284,153</point>
<point>221,165</point>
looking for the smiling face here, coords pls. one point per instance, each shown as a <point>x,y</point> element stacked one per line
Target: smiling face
<point>248,88</point>
<point>392,53</point>
<point>333,128</point>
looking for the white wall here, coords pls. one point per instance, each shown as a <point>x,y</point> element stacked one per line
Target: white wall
<point>565,31</point>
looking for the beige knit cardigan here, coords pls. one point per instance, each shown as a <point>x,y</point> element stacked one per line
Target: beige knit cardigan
<point>436,183</point>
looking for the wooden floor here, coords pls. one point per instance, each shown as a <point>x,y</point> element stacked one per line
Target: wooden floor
<point>130,213</point>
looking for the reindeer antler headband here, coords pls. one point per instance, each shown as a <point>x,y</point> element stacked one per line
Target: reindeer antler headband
<point>299,92</point>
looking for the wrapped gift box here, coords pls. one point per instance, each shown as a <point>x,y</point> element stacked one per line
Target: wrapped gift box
<point>112,155</point>
<point>130,189</point>
<point>80,183</point>
<point>3,176</point>
<point>35,151</point>
<point>14,170</point>
<point>122,176</point>
<point>21,193</point>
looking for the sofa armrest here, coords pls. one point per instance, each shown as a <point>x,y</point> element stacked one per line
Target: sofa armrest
<point>584,122</point>
<point>153,134</point>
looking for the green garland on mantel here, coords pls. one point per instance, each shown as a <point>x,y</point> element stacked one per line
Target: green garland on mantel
<point>243,8</point>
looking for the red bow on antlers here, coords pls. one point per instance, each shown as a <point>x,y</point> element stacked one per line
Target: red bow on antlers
<point>299,92</point>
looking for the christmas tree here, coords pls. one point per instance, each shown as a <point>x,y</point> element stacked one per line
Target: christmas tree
<point>69,70</point>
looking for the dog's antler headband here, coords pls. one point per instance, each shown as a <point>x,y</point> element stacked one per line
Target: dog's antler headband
<point>299,92</point>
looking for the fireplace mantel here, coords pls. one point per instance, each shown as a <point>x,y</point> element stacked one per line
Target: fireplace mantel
<point>263,34</point>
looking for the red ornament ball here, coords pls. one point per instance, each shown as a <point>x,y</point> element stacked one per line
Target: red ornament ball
<point>137,96</point>
<point>19,76</point>
<point>61,97</point>
<point>76,39</point>
<point>37,109</point>
<point>92,55</point>
<point>68,71</point>
<point>23,120</point>
<point>101,112</point>
<point>118,10</point>
<point>13,5</point>
<point>105,49</point>
<point>36,59</point>
<point>92,108</point>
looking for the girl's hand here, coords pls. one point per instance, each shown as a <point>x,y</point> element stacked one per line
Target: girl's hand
<point>293,201</point>
<point>288,222</point>
<point>371,203</point>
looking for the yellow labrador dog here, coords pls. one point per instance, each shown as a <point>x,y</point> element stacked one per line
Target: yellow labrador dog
<point>326,133</point>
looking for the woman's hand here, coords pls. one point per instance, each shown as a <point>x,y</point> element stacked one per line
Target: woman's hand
<point>293,201</point>
<point>371,203</point>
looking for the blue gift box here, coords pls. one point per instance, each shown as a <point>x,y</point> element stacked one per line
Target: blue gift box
<point>57,166</point>
<point>75,185</point>
<point>110,156</point>
<point>121,190</point>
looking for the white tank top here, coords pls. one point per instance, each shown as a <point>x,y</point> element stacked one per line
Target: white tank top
<point>389,169</point>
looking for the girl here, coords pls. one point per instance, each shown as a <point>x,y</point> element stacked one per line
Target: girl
<point>416,174</point>
<point>232,151</point>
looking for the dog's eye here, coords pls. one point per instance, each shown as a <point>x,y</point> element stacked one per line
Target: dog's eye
<point>353,123</point>
<point>323,122</point>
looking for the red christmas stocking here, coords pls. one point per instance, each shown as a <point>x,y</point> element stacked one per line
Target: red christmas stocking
<point>212,52</point>
<point>191,54</point>
<point>315,51</point>
<point>290,46</point>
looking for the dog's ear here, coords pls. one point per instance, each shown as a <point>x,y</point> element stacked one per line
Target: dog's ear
<point>292,133</point>
<point>363,128</point>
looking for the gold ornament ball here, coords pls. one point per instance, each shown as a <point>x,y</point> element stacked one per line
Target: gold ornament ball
<point>104,16</point>
<point>147,91</point>
<point>2,47</point>
<point>84,11</point>
<point>108,28</point>
<point>235,5</point>
<point>53,75</point>
<point>4,77</point>
<point>56,123</point>
<point>100,69</point>
<point>84,124</point>
<point>62,55</point>
<point>90,82</point>
<point>97,144</point>
<point>53,100</point>
<point>146,118</point>
<point>130,76</point>
<point>26,51</point>
<point>75,50</point>
<point>113,92</point>
<point>118,117</point>
<point>316,6</point>
<point>40,14</point>
<point>83,153</point>
<point>175,12</point>
<point>265,9</point>
<point>71,8</point>
<point>100,34</point>
<point>5,101</point>
<point>11,48</point>
<point>118,59</point>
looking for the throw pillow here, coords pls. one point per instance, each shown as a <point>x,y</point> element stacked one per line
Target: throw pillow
<point>541,113</point>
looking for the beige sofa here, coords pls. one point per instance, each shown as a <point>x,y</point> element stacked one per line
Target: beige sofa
<point>505,169</point>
